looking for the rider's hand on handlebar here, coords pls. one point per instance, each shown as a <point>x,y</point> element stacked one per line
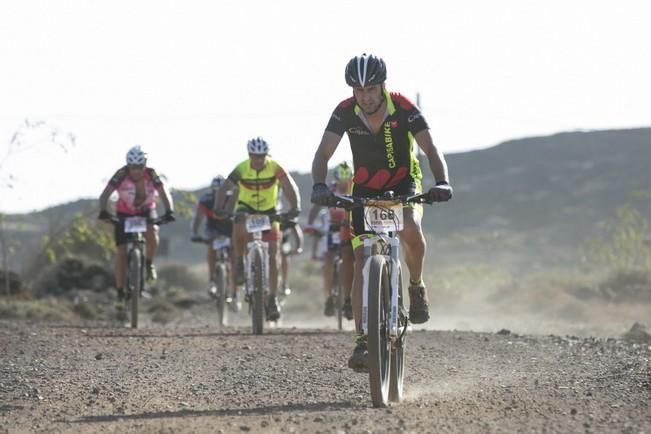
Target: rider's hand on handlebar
<point>104,215</point>
<point>168,217</point>
<point>322,195</point>
<point>442,192</point>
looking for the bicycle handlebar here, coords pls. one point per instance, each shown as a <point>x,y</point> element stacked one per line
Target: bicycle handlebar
<point>154,221</point>
<point>277,217</point>
<point>349,202</point>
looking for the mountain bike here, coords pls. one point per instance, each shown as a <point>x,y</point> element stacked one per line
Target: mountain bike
<point>256,266</point>
<point>222,275</point>
<point>384,318</point>
<point>134,229</point>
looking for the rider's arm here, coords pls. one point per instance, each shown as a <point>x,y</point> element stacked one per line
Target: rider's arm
<point>167,198</point>
<point>327,147</point>
<point>231,199</point>
<point>104,197</point>
<point>290,191</point>
<point>219,204</point>
<point>436,160</point>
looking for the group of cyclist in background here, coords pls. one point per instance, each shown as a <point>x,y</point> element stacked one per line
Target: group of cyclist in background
<point>382,127</point>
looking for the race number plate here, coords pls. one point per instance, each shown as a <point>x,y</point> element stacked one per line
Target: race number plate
<point>135,224</point>
<point>257,223</point>
<point>220,242</point>
<point>383,219</point>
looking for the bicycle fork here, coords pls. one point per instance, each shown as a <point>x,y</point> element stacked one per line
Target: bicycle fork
<point>394,284</point>
<point>251,245</point>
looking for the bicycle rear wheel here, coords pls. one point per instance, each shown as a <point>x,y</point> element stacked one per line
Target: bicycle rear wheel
<point>338,291</point>
<point>134,283</point>
<point>221,282</point>
<point>398,354</point>
<point>257,277</point>
<point>379,345</point>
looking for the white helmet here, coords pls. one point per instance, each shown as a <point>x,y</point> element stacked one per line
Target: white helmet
<point>136,156</point>
<point>257,146</point>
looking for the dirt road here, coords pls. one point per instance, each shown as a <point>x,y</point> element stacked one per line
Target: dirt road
<point>103,378</point>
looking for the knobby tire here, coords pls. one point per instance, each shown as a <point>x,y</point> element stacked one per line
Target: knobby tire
<point>257,277</point>
<point>134,280</point>
<point>379,350</point>
<point>221,281</point>
<point>397,373</point>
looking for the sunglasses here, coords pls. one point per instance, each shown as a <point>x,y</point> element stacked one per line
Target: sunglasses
<point>136,166</point>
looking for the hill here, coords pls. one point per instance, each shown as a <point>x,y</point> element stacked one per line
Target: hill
<point>532,199</point>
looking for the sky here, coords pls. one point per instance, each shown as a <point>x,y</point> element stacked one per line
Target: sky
<point>191,81</point>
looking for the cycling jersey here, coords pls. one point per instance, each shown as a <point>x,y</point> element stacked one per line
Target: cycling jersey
<point>386,159</point>
<point>222,225</point>
<point>258,188</point>
<point>126,189</point>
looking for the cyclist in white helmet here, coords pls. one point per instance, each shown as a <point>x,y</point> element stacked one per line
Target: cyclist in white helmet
<point>137,187</point>
<point>259,179</point>
<point>213,227</point>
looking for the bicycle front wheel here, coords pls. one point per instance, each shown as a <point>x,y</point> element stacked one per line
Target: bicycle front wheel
<point>221,282</point>
<point>134,283</point>
<point>379,344</point>
<point>257,277</point>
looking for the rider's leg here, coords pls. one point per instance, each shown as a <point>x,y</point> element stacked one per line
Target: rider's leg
<point>357,288</point>
<point>328,270</point>
<point>347,269</point>
<point>414,245</point>
<point>120,266</point>
<point>284,266</point>
<point>330,308</point>
<point>297,232</point>
<point>210,257</point>
<point>151,237</point>
<point>274,261</point>
<point>237,249</point>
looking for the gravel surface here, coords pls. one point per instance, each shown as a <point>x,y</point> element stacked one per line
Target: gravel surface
<point>194,377</point>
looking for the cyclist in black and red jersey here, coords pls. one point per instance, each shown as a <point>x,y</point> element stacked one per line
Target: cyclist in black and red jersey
<point>381,127</point>
<point>214,227</point>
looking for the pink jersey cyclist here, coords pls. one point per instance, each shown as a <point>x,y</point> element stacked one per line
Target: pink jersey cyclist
<point>137,186</point>
<point>132,198</point>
